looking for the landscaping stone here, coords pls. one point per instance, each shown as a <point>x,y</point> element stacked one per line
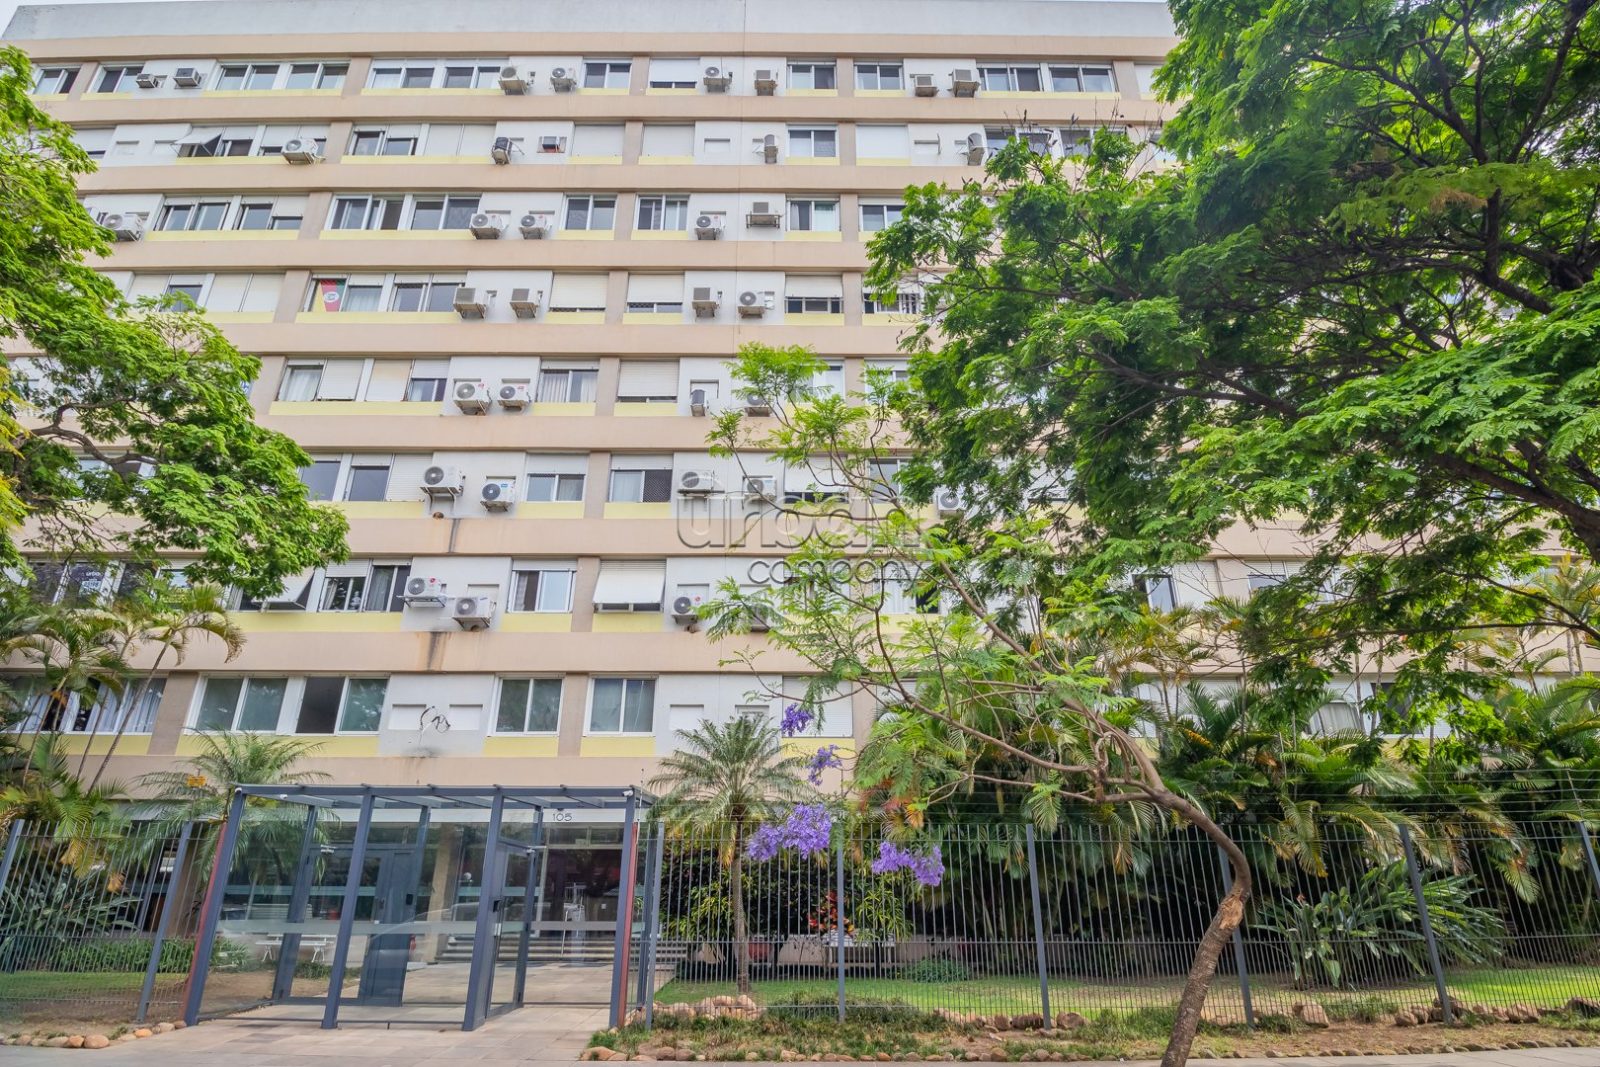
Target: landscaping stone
<point>96,1041</point>
<point>75,1041</point>
<point>56,1042</point>
<point>1404,1018</point>
<point>144,1031</point>
<point>178,1024</point>
<point>1311,1013</point>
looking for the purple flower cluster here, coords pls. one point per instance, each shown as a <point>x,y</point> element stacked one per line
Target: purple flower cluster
<point>806,831</point>
<point>928,869</point>
<point>796,717</point>
<point>825,757</point>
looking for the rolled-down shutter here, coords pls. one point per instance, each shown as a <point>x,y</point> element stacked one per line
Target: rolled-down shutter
<point>578,292</point>
<point>813,285</point>
<point>340,377</point>
<point>641,378</point>
<point>388,379</point>
<point>675,70</point>
<point>630,584</point>
<point>883,142</point>
<point>655,288</point>
<point>597,140</point>
<point>405,475</point>
<point>664,140</point>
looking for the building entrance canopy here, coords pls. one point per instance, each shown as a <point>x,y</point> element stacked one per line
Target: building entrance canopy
<point>413,899</point>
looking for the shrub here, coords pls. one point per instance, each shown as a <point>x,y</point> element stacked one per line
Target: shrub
<point>124,954</point>
<point>937,969</point>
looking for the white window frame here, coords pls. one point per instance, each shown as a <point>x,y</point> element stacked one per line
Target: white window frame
<point>877,78</point>
<point>808,136</point>
<point>527,704</point>
<point>803,74</point>
<point>626,681</point>
<point>613,73</point>
<point>561,606</point>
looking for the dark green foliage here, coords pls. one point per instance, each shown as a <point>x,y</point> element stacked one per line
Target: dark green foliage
<point>937,969</point>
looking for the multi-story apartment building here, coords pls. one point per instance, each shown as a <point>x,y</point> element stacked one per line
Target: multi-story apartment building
<point>495,258</point>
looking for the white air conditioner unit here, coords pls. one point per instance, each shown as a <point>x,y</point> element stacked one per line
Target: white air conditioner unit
<point>300,150</point>
<point>552,145</point>
<point>760,489</point>
<point>473,612</point>
<point>717,80</point>
<point>500,151</point>
<point>123,227</point>
<point>757,405</point>
<point>472,397</point>
<point>761,214</point>
<point>923,85</point>
<point>561,80</point>
<point>442,482</point>
<point>485,227</point>
<point>498,495</point>
<point>708,227</point>
<point>534,225</point>
<point>149,81</point>
<point>948,502</point>
<point>513,396</point>
<point>424,592</point>
<point>697,402</point>
<point>698,483</point>
<point>769,148</point>
<point>685,607</point>
<point>752,305</point>
<point>766,84</point>
<point>186,78</point>
<point>976,149</point>
<point>964,81</point>
<point>513,81</point>
<point>706,301</point>
<point>468,304</point>
<point>525,303</point>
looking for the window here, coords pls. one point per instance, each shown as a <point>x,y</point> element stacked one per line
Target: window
<point>1076,141</point>
<point>567,386</point>
<point>811,76</point>
<point>1158,591</point>
<point>590,213</point>
<point>640,485</point>
<point>366,212</point>
<point>369,480</point>
<point>343,592</point>
<point>663,213</point>
<point>341,705</point>
<point>214,143</point>
<point>542,587</point>
<point>421,389</point>
<point>652,381</point>
<point>300,382</point>
<point>1268,573</point>
<point>118,79</point>
<point>317,75</point>
<point>102,712</point>
<point>674,73</point>
<point>341,294</point>
<point>380,588</point>
<point>1016,79</point>
<point>529,706</point>
<point>50,80</point>
<point>204,215</point>
<point>879,76</point>
<point>190,289</point>
<point>321,477</point>
<point>247,76</point>
<point>814,216</point>
<point>1082,80</point>
<point>607,74</point>
<point>383,143</point>
<point>883,478</point>
<point>547,488</point>
<point>443,212</point>
<point>813,305</point>
<point>875,217</point>
<point>813,143</point>
<point>1337,717</point>
<point>435,294</point>
<point>69,584</point>
<point>623,706</point>
<point>474,76</point>
<point>273,138</point>
<point>906,303</point>
<point>251,704</point>
<point>999,136</point>
<point>829,381</point>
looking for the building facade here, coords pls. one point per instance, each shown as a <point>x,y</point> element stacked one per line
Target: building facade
<point>495,258</point>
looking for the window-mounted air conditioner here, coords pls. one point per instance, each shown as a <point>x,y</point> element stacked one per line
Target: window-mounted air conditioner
<point>525,302</point>
<point>471,397</point>
<point>424,592</point>
<point>300,150</point>
<point>468,304</point>
<point>708,227</point>
<point>753,305</point>
<point>473,612</point>
<point>498,494</point>
<point>698,483</point>
<point>441,482</point>
<point>485,227</point>
<point>766,83</point>
<point>964,82</point>
<point>513,81</point>
<point>562,80</point>
<point>717,79</point>
<point>513,396</point>
<point>705,301</point>
<point>123,226</point>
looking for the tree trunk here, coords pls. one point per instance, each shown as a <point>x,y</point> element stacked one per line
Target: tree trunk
<point>741,932</point>
<point>1226,919</point>
<point>122,722</point>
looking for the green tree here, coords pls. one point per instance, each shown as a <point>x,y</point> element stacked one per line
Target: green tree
<point>731,777</point>
<point>153,394</point>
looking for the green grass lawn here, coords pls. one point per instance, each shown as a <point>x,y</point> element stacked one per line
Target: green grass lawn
<point>43,985</point>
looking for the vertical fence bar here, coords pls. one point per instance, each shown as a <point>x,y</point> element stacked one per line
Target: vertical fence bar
<point>486,947</point>
<point>9,857</point>
<point>838,915</point>
<point>652,890</point>
<point>1238,944</point>
<point>1583,833</point>
<point>529,914</point>
<point>169,904</point>
<point>1427,925</point>
<point>1038,928</point>
<point>211,909</point>
<point>347,914</point>
<point>624,930</point>
<point>299,897</point>
<point>654,943</point>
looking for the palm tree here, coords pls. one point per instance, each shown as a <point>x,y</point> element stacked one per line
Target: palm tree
<point>47,793</point>
<point>732,775</point>
<point>79,656</point>
<point>168,617</point>
<point>203,790</point>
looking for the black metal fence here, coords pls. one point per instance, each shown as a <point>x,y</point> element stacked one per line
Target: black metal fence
<point>1361,920</point>
<point>97,924</point>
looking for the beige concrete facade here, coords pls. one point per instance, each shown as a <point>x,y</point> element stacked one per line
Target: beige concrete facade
<point>620,174</point>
